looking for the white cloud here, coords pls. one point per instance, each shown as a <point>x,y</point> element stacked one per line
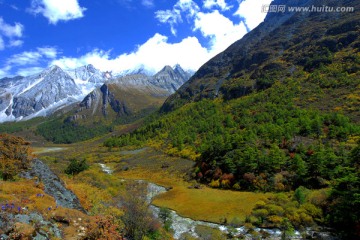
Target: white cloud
<point>28,61</point>
<point>11,31</point>
<point>221,30</point>
<point>168,53</point>
<point>97,57</point>
<point>29,71</point>
<point>188,6</point>
<point>24,58</point>
<point>5,71</point>
<point>157,52</point>
<point>153,55</point>
<point>15,43</point>
<point>171,17</point>
<point>209,4</point>
<point>251,11</point>
<point>148,3</point>
<point>56,10</point>
<point>49,52</point>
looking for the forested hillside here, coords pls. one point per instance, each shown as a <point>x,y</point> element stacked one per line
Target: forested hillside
<point>277,111</point>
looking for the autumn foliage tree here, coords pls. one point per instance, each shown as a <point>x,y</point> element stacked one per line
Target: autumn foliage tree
<point>105,228</point>
<point>15,156</point>
<point>137,217</point>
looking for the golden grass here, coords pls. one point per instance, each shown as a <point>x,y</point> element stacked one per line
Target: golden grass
<point>88,195</point>
<point>210,204</point>
<point>24,193</point>
<point>207,204</point>
<point>201,204</point>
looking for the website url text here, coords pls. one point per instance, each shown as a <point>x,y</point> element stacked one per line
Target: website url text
<point>311,9</point>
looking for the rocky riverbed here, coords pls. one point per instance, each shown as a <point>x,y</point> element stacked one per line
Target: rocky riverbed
<point>181,225</point>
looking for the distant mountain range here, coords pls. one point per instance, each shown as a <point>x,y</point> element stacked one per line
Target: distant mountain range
<point>42,94</point>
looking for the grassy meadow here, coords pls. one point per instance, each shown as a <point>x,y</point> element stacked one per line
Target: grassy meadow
<point>95,187</point>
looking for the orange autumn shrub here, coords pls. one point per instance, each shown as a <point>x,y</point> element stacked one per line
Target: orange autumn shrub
<point>15,156</point>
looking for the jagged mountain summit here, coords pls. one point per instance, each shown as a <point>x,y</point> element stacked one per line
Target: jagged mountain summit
<point>137,70</point>
<point>87,77</point>
<point>42,94</point>
<point>170,78</point>
<point>37,95</point>
<point>89,73</point>
<point>130,94</point>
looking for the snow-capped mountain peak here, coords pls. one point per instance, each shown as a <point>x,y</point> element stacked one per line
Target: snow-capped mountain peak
<point>38,94</point>
<point>54,88</point>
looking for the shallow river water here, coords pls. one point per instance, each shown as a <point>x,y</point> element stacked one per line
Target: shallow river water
<point>181,225</point>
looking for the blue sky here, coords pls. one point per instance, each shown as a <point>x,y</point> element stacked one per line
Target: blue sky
<point>118,35</point>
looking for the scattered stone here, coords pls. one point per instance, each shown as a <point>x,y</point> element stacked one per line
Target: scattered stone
<point>4,237</point>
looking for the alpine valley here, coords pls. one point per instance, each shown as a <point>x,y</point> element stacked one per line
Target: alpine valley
<point>85,96</point>
<point>262,142</point>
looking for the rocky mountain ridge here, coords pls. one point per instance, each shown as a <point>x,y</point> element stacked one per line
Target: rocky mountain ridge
<point>129,94</point>
<point>22,98</point>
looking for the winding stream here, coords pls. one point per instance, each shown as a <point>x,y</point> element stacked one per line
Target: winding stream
<point>105,168</point>
<point>181,225</point>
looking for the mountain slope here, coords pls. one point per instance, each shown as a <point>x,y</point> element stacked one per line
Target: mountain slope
<point>88,77</point>
<point>118,101</point>
<point>170,79</point>
<point>279,47</point>
<point>90,74</point>
<point>130,94</point>
<point>115,100</point>
<point>292,64</point>
<point>44,93</point>
<point>38,94</point>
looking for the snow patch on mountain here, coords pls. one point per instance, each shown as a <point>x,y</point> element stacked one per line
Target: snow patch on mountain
<point>30,85</point>
<point>22,98</point>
